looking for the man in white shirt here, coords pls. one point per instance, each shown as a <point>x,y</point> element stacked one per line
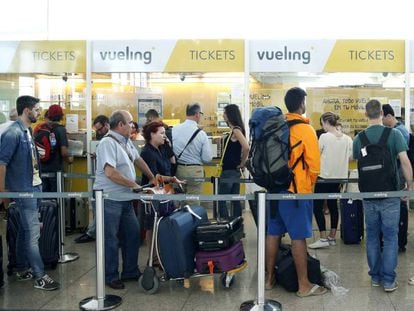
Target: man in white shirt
<point>191,156</point>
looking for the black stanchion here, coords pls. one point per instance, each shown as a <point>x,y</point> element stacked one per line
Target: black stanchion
<point>261,303</point>
<point>100,301</point>
<point>63,257</point>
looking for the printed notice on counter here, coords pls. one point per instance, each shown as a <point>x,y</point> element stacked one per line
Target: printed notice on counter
<point>72,123</point>
<point>396,106</point>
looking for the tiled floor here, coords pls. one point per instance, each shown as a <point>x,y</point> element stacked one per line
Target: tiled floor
<point>348,261</point>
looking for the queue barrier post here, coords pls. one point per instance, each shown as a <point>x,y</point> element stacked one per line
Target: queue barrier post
<point>261,303</point>
<point>215,181</point>
<point>63,257</point>
<point>101,301</point>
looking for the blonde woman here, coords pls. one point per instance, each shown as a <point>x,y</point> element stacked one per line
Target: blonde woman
<point>336,150</point>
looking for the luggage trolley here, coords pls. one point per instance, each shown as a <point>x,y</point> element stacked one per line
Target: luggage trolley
<point>149,281</point>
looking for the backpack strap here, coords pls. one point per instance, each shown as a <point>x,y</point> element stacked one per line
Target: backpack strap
<point>364,139</point>
<point>382,141</point>
<point>384,136</point>
<point>291,123</point>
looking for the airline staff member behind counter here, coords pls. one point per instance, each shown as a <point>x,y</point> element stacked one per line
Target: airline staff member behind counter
<point>191,155</point>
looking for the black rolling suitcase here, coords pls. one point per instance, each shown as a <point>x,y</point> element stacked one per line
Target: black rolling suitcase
<point>49,234</point>
<point>352,221</point>
<point>1,263</point>
<point>403,226</point>
<point>218,235</point>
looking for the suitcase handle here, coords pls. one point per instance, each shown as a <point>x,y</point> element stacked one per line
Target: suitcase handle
<point>190,210</point>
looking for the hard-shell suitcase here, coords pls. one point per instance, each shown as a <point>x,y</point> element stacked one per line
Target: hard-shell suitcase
<point>175,240</point>
<point>403,227</point>
<point>49,234</point>
<point>1,263</point>
<point>223,260</point>
<point>217,235</point>
<point>352,221</point>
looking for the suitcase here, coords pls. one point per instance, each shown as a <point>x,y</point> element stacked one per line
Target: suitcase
<point>49,234</point>
<point>285,269</point>
<point>175,241</point>
<point>76,214</point>
<point>223,260</point>
<point>1,263</point>
<point>217,235</point>
<point>352,221</point>
<point>403,227</point>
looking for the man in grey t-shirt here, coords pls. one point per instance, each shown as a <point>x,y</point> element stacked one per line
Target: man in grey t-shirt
<point>115,172</point>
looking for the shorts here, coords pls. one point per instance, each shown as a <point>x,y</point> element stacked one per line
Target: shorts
<point>291,216</point>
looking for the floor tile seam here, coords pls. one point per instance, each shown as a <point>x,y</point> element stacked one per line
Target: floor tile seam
<point>74,283</point>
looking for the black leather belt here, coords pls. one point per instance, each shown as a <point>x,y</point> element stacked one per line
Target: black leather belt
<point>182,164</point>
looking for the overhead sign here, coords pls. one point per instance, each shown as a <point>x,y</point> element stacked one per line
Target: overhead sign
<point>42,56</point>
<point>327,56</point>
<point>131,56</point>
<point>168,56</point>
<point>411,56</point>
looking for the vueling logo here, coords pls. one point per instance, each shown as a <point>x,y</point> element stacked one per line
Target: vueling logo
<point>127,54</point>
<point>285,54</point>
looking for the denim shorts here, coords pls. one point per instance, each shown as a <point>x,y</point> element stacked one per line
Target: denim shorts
<point>291,216</point>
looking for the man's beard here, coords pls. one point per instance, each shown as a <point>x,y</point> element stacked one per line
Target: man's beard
<point>32,118</point>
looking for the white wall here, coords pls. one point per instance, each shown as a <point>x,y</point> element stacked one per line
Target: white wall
<point>180,19</point>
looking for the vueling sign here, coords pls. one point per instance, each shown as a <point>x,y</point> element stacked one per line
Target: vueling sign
<point>285,54</point>
<point>126,54</point>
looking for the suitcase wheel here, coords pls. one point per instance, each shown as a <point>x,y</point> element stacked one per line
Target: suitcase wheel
<point>149,285</point>
<point>227,279</point>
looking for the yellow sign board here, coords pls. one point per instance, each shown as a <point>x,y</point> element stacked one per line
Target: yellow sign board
<point>47,56</point>
<point>207,56</point>
<point>367,56</point>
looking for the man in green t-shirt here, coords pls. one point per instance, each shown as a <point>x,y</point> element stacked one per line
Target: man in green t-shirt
<point>383,214</point>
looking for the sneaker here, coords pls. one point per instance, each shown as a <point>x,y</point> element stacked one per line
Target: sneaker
<point>391,287</point>
<point>84,238</point>
<point>375,283</point>
<point>319,244</point>
<point>332,241</point>
<point>46,283</point>
<point>24,276</point>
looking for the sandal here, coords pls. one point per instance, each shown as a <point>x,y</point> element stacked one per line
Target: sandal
<point>316,290</point>
<point>411,280</point>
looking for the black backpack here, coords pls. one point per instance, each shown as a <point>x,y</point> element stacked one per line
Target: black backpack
<point>375,165</point>
<point>410,152</point>
<point>285,269</point>
<point>270,149</point>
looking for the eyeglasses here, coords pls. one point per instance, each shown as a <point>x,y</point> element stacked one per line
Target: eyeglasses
<point>200,112</point>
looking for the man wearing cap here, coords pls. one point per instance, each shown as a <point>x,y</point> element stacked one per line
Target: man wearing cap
<point>192,149</point>
<point>59,145</point>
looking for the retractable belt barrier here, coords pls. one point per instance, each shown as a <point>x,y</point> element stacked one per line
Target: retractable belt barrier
<point>104,302</point>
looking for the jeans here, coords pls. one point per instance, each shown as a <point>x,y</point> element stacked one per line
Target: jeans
<point>121,230</point>
<point>228,187</point>
<point>382,215</point>
<point>27,243</point>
